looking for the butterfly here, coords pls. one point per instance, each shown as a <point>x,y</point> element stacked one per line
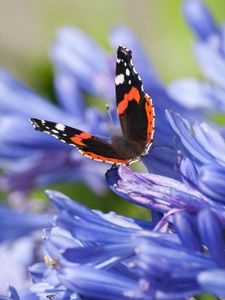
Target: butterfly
<point>136,115</point>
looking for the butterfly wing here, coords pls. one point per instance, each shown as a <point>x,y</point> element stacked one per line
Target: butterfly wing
<point>134,106</point>
<point>88,144</point>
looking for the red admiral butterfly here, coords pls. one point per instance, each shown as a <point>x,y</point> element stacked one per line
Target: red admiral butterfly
<point>136,115</point>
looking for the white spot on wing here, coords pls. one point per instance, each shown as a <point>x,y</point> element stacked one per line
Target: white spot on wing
<point>54,131</point>
<point>127,72</point>
<point>60,127</point>
<point>119,79</point>
<point>55,136</point>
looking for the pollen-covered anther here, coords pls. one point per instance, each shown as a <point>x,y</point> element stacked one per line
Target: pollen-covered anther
<point>51,262</point>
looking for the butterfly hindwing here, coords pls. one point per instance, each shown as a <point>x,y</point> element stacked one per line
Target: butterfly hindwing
<point>88,144</point>
<point>134,106</point>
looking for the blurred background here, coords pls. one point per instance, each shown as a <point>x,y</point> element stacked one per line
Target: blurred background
<point>28,28</point>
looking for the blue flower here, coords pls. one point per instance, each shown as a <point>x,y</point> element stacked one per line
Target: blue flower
<point>32,159</point>
<point>85,250</point>
<point>92,69</point>
<point>160,193</point>
<point>204,229</point>
<point>107,256</point>
<point>14,224</point>
<point>210,55</point>
<point>20,244</point>
<point>13,294</point>
<point>201,160</point>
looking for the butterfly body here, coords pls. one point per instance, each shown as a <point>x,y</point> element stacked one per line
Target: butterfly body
<point>136,115</point>
<point>127,149</point>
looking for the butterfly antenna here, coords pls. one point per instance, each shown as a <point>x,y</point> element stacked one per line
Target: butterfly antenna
<point>109,113</point>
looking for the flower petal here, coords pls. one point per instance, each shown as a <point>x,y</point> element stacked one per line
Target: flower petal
<point>194,94</point>
<point>210,139</point>
<point>100,284</point>
<point>183,130</point>
<point>154,191</point>
<point>71,51</point>
<point>212,236</point>
<point>15,225</point>
<point>68,93</point>
<point>211,182</point>
<point>15,98</point>
<point>199,19</point>
<point>186,229</point>
<point>213,281</point>
<point>161,160</point>
<point>211,62</point>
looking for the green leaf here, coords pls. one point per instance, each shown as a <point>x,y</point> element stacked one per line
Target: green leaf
<point>206,296</point>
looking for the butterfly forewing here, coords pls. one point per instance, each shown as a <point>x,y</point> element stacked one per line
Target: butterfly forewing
<point>134,106</point>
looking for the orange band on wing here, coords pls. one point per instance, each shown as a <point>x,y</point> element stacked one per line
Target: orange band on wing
<point>132,95</point>
<point>106,159</point>
<point>150,117</point>
<point>78,138</point>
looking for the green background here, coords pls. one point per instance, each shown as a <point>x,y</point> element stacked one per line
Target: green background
<point>28,27</point>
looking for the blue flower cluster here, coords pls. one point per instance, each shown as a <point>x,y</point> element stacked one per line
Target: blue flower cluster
<point>107,256</point>
<point>209,51</point>
<point>85,254</point>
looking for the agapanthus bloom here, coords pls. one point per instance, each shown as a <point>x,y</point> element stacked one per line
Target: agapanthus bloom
<point>106,256</point>
<point>160,193</point>
<point>20,246</point>
<point>209,52</point>
<point>201,161</point>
